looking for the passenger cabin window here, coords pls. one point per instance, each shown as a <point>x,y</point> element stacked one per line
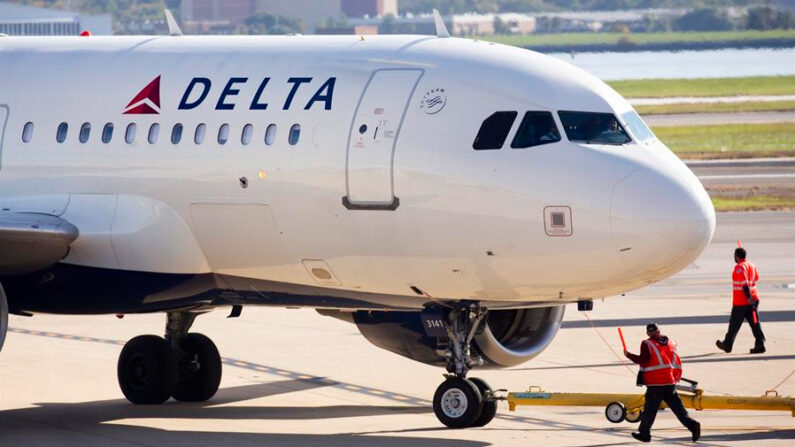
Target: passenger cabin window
<point>537,128</point>
<point>63,129</point>
<point>223,134</point>
<point>637,127</point>
<point>201,132</point>
<point>593,128</point>
<point>245,137</point>
<point>270,134</point>
<point>107,133</point>
<point>129,134</point>
<point>85,132</point>
<point>154,133</point>
<point>494,131</point>
<point>295,134</point>
<point>176,133</point>
<point>27,132</point>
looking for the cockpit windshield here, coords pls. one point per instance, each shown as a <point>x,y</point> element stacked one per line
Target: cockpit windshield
<point>593,128</point>
<point>637,127</point>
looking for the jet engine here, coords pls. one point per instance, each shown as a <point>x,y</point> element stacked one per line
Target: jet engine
<point>506,337</point>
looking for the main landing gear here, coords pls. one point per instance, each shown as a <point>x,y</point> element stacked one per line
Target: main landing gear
<point>460,402</point>
<point>184,366</point>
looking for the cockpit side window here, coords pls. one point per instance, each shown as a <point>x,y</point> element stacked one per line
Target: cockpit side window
<point>637,127</point>
<point>494,131</point>
<point>537,128</point>
<point>593,128</point>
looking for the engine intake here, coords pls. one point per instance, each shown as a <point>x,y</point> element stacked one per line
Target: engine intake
<point>512,337</point>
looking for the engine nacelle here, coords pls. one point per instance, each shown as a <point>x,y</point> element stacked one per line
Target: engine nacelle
<point>508,337</point>
<point>3,317</point>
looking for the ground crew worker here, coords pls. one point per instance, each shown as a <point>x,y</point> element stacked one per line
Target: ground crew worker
<point>745,302</point>
<point>661,368</point>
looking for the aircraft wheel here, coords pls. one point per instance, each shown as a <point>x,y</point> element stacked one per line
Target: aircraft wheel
<point>457,402</point>
<point>615,412</point>
<point>200,369</point>
<point>489,406</point>
<point>634,416</point>
<point>147,370</point>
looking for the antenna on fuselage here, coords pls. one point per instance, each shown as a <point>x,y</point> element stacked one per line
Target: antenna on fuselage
<point>173,28</point>
<point>441,28</point>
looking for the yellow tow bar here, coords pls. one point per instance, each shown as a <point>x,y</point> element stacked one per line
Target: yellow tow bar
<point>620,407</point>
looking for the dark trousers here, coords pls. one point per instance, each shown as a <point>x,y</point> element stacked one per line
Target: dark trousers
<point>654,396</point>
<point>740,313</point>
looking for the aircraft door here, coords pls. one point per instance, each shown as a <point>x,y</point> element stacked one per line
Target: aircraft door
<point>373,138</point>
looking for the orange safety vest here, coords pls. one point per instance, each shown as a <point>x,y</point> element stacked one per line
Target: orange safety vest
<point>664,366</point>
<point>744,274</point>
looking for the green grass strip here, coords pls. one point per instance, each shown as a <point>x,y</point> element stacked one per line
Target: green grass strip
<point>533,41</point>
<point>730,140</point>
<point>753,203</point>
<point>664,88</point>
<point>720,107</point>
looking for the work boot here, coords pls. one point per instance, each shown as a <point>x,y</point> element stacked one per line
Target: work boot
<point>640,437</point>
<point>696,431</point>
<point>722,346</point>
<point>758,349</point>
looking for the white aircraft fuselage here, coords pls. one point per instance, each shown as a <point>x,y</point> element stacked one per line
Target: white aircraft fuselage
<point>406,208</point>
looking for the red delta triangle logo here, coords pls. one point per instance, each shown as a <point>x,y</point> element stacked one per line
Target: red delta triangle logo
<point>147,101</point>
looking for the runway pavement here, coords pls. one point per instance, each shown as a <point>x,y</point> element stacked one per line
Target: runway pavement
<point>748,173</point>
<point>293,377</point>
<point>709,99</point>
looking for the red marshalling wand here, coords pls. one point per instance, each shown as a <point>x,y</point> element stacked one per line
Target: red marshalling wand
<point>621,334</point>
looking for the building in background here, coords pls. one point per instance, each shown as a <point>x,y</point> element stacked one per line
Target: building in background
<point>201,14</point>
<point>225,16</point>
<point>370,8</point>
<point>18,20</point>
<point>359,30</point>
<point>458,24</point>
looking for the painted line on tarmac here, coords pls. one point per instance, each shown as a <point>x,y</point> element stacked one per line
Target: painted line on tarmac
<point>324,381</point>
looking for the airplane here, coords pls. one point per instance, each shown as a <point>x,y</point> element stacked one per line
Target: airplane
<point>447,196</point>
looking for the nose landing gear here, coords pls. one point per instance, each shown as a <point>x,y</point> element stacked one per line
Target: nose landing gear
<point>184,366</point>
<point>460,402</point>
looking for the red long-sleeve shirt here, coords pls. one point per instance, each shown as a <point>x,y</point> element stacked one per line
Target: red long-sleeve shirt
<point>643,358</point>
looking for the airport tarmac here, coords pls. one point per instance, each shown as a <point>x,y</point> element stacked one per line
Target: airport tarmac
<point>734,178</point>
<point>776,173</point>
<point>706,119</point>
<point>293,377</point>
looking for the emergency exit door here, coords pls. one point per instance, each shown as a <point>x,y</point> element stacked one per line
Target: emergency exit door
<point>3,119</point>
<point>373,139</point>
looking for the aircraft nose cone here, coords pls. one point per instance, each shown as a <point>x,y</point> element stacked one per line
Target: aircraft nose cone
<point>661,222</point>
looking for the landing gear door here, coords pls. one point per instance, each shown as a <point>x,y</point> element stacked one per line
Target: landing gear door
<point>373,138</point>
<point>3,119</point>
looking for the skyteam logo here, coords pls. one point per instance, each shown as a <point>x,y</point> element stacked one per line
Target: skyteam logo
<point>434,101</point>
<point>147,101</point>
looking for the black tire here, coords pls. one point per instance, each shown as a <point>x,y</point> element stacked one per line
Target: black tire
<point>147,370</point>
<point>457,403</point>
<point>615,412</point>
<point>198,385</point>
<point>489,406</point>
